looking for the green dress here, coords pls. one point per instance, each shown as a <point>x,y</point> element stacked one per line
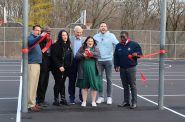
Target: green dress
<point>91,78</point>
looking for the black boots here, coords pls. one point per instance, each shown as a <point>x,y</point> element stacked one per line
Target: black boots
<point>56,102</point>
<point>63,101</point>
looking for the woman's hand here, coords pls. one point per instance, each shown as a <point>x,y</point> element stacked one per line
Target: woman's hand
<point>62,69</point>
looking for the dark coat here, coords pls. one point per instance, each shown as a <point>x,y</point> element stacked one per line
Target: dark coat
<point>121,54</point>
<point>58,54</point>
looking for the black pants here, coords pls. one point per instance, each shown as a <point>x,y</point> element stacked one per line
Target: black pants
<point>43,79</point>
<point>128,78</point>
<point>72,80</point>
<point>66,74</point>
<point>58,76</point>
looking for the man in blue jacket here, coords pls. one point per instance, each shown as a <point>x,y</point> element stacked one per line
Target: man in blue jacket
<point>106,42</point>
<point>34,61</point>
<point>125,61</point>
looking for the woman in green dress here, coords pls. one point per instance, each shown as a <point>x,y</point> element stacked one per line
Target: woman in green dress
<point>89,70</point>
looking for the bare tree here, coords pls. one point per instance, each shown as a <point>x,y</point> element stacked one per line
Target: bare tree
<point>175,16</point>
<point>99,10</point>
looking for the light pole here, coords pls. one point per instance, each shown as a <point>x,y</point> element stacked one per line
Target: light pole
<point>162,47</point>
<point>25,57</point>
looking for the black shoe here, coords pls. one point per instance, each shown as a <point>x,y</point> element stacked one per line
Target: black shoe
<point>64,102</point>
<point>56,102</point>
<point>133,106</point>
<point>124,105</point>
<point>80,98</point>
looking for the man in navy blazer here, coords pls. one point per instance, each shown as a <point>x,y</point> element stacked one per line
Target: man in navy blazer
<point>76,43</point>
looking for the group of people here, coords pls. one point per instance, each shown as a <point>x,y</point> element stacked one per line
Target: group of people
<point>83,61</point>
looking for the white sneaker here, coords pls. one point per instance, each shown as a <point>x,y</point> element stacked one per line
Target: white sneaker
<point>100,100</point>
<point>93,104</point>
<point>83,104</point>
<point>109,100</point>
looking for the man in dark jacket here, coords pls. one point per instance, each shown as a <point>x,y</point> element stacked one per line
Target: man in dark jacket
<point>44,72</point>
<point>125,61</point>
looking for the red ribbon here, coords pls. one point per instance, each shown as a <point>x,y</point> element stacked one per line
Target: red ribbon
<point>47,45</point>
<point>146,56</point>
<point>26,50</point>
<point>88,53</point>
<point>143,78</point>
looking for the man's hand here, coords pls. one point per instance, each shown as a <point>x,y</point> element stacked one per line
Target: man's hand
<point>135,55</point>
<point>61,69</point>
<point>117,69</point>
<point>43,34</point>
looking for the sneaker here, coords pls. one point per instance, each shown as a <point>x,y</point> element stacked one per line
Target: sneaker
<point>109,100</point>
<point>83,104</point>
<point>93,104</point>
<point>100,100</point>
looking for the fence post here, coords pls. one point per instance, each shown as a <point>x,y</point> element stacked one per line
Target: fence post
<point>175,45</point>
<point>4,42</point>
<point>150,43</point>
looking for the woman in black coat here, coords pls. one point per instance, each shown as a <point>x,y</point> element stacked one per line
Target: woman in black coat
<point>61,55</point>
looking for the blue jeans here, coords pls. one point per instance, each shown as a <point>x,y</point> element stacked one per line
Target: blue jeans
<point>107,66</point>
<point>128,78</point>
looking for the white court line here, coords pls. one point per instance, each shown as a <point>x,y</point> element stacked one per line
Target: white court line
<point>171,110</point>
<point>8,98</point>
<point>176,95</point>
<point>18,116</point>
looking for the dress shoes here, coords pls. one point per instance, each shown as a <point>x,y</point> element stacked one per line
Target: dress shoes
<point>124,105</point>
<point>133,106</point>
<point>64,102</point>
<point>34,109</point>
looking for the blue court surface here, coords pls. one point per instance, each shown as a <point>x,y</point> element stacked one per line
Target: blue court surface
<point>147,110</point>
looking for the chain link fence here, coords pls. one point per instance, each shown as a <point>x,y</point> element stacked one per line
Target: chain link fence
<point>11,41</point>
